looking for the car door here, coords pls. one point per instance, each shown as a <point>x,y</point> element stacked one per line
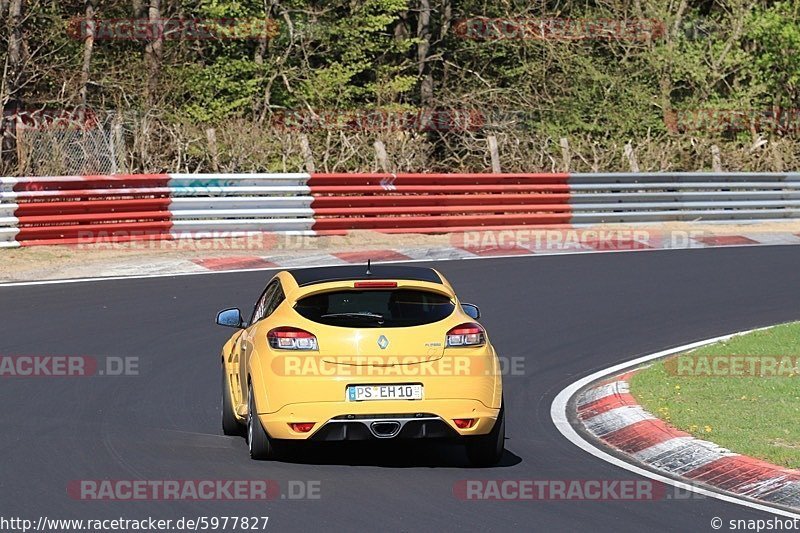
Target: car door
<point>234,357</point>
<point>263,308</point>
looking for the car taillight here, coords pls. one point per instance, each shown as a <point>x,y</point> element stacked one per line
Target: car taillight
<point>469,334</point>
<point>464,423</point>
<point>375,284</point>
<point>302,427</point>
<point>289,338</point>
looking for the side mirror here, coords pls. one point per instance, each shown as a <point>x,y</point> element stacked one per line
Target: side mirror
<point>231,318</point>
<point>472,310</point>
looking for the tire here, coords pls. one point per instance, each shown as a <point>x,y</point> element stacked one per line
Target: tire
<point>230,425</point>
<point>487,450</point>
<point>260,445</point>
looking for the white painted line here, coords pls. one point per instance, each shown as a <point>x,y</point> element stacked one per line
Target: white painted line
<point>560,417</point>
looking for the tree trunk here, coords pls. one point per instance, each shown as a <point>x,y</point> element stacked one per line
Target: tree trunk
<point>447,22</point>
<point>424,71</point>
<point>665,83</point>
<point>153,50</point>
<point>12,75</point>
<point>447,18</point>
<point>88,46</point>
<point>263,42</point>
<point>401,27</point>
<point>14,47</point>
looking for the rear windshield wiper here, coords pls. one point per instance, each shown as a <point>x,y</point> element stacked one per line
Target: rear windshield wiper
<point>366,315</point>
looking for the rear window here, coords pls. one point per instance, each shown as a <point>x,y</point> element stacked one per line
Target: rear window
<point>375,308</point>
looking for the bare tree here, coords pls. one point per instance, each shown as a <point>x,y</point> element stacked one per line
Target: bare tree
<point>444,28</point>
<point>154,49</point>
<point>12,77</point>
<point>424,34</point>
<point>261,49</point>
<point>12,70</point>
<point>447,18</point>
<point>401,28</point>
<point>88,46</point>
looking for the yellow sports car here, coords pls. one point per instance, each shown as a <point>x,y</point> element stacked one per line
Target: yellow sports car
<point>358,353</point>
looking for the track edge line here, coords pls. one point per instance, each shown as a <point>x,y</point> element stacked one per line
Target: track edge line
<point>560,417</point>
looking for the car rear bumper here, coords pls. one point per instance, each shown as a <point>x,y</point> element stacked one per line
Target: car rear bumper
<point>368,427</point>
<point>423,419</point>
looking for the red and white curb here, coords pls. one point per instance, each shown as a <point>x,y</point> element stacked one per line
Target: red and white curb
<point>439,253</point>
<point>290,260</point>
<point>652,448</point>
<point>610,413</point>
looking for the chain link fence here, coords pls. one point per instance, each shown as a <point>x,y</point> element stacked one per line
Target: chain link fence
<point>46,142</point>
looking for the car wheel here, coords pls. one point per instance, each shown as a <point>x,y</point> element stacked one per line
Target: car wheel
<point>230,425</point>
<point>487,450</point>
<point>259,443</point>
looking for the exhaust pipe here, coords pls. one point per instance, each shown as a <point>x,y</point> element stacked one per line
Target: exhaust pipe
<point>385,429</point>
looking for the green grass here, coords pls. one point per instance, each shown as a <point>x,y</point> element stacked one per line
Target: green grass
<point>753,415</point>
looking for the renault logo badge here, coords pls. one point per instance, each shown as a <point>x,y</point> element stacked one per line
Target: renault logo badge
<point>383,342</point>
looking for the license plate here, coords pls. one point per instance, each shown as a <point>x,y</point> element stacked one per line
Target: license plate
<point>359,393</point>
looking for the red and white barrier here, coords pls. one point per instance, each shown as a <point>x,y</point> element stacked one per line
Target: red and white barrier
<point>81,209</point>
<point>72,209</point>
<point>431,203</point>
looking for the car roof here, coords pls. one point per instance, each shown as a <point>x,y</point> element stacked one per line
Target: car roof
<point>310,276</point>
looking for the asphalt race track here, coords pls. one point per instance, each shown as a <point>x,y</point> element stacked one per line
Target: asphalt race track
<point>566,315</point>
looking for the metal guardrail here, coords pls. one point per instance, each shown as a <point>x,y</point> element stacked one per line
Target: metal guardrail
<point>70,209</point>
